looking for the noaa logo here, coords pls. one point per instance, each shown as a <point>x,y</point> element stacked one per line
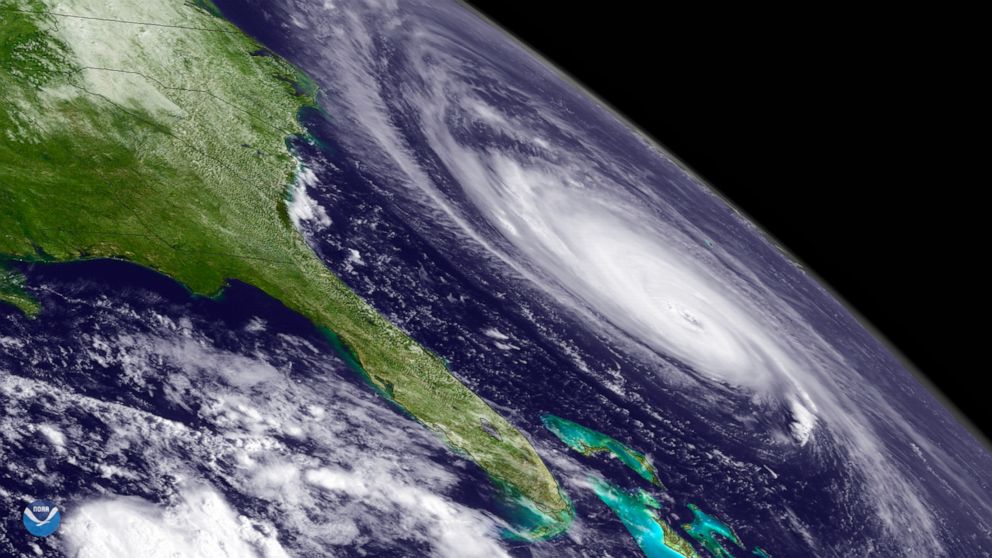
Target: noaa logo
<point>42,518</point>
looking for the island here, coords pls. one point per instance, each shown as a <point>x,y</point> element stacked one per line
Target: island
<point>589,442</point>
<point>705,528</point>
<point>638,511</point>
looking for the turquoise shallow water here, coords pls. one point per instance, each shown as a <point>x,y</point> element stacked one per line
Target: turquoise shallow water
<point>587,441</point>
<point>638,511</point>
<point>705,528</point>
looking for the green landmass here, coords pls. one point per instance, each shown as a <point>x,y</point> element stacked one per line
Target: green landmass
<point>12,291</point>
<point>705,528</point>
<point>146,131</point>
<point>638,511</point>
<point>589,442</point>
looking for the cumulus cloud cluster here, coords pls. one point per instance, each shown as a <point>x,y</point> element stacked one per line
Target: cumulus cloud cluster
<point>302,207</point>
<point>283,458</point>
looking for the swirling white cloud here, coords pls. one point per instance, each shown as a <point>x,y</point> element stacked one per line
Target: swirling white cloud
<point>537,192</point>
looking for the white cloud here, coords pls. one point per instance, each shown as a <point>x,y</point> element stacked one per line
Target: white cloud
<point>53,435</point>
<point>273,427</point>
<point>593,232</point>
<point>200,525</point>
<point>302,207</point>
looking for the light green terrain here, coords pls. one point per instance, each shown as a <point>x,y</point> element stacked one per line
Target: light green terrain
<point>12,291</point>
<point>144,130</point>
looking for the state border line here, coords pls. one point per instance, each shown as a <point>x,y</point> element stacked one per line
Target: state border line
<point>112,20</point>
<point>207,92</point>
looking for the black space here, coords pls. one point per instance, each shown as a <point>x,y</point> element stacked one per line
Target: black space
<point>847,135</point>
